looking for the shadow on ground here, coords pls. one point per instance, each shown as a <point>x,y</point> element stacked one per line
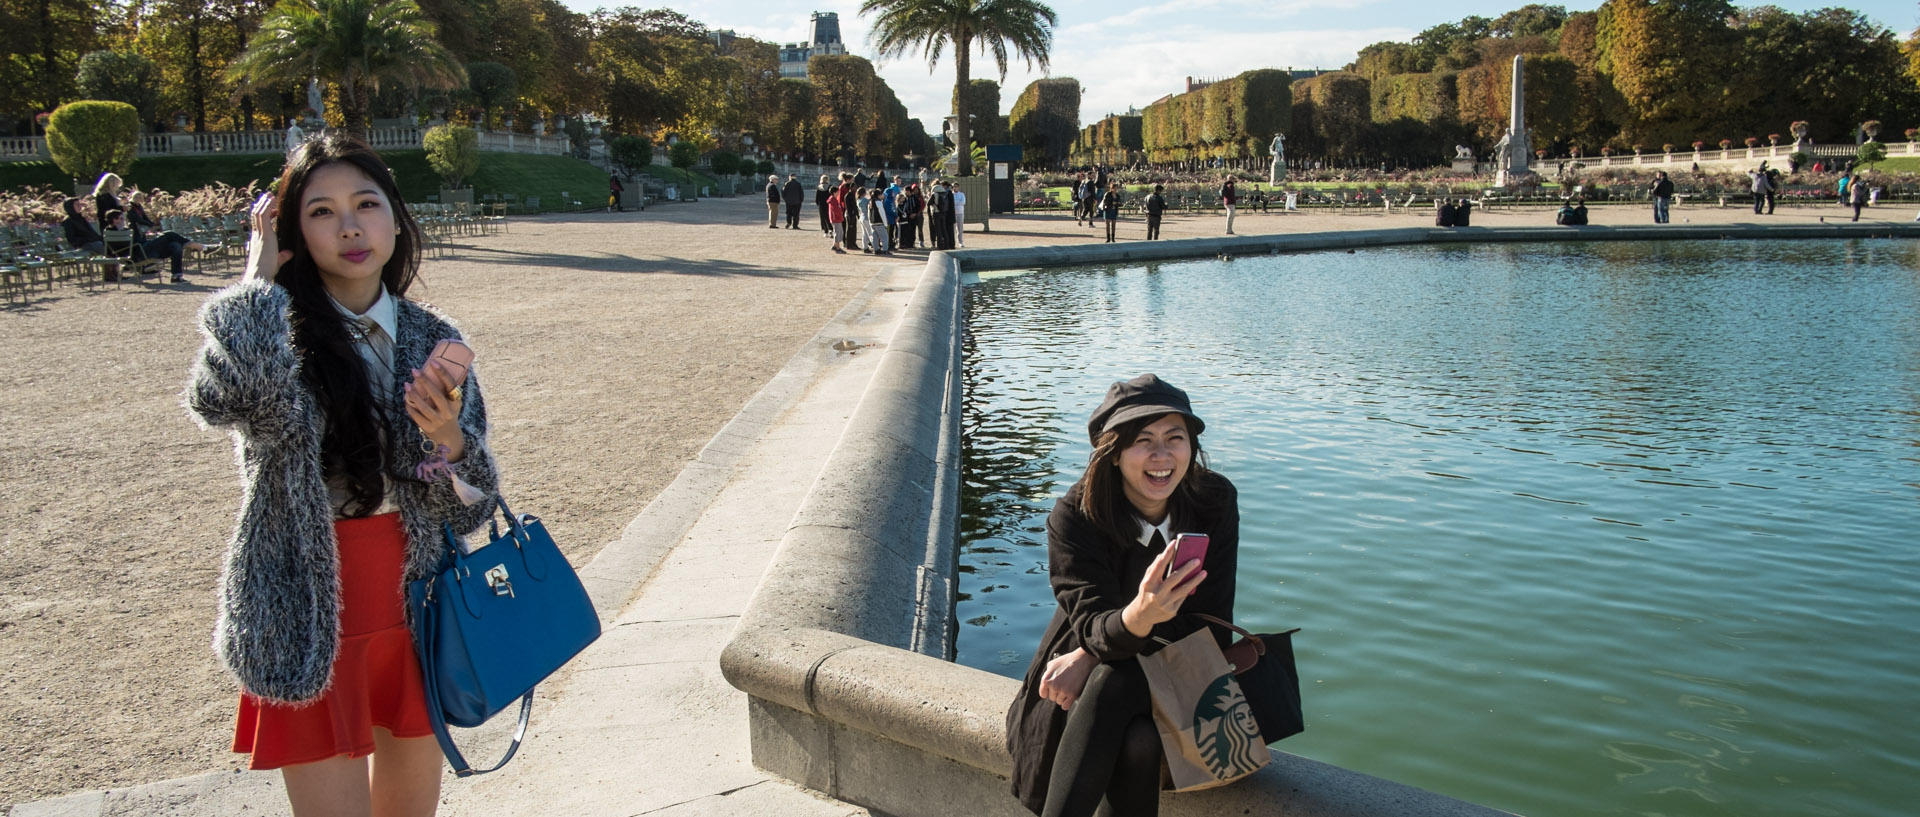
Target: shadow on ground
<point>609,262</point>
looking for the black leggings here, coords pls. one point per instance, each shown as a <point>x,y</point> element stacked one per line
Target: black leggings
<point>1108,762</point>
<point>169,245</point>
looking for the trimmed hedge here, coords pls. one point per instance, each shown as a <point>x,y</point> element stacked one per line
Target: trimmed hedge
<point>1233,118</point>
<point>91,137</point>
<point>1045,119</point>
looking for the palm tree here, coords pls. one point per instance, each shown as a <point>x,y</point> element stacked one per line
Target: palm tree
<point>929,26</point>
<point>356,44</point>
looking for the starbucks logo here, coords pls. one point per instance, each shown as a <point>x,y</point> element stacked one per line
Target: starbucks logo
<point>1225,730</point>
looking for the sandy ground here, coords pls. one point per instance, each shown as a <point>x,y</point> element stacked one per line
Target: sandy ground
<point>613,347</point>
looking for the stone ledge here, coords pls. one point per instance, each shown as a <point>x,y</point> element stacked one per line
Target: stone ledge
<point>839,701</point>
<point>1189,248</point>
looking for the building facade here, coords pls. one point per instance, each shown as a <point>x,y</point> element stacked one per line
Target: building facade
<point>825,42</point>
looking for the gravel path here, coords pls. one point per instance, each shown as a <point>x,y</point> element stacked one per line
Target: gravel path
<point>613,346</point>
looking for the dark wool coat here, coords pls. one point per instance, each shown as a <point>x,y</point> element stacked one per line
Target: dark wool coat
<point>279,622</point>
<point>1093,579</point>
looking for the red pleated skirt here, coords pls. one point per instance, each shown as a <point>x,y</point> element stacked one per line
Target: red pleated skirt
<point>376,676</point>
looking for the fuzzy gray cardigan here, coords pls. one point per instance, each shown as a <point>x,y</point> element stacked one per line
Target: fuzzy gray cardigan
<point>279,623</point>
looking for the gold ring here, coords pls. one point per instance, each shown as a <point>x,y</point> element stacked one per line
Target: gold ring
<point>455,394</point>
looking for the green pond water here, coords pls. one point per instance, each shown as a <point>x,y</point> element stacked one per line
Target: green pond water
<point>1571,529</point>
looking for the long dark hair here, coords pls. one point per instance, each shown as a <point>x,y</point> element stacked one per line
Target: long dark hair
<point>329,366</point>
<point>1103,499</point>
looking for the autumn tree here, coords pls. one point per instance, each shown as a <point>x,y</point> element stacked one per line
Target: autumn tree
<point>45,40</point>
<point>1675,62</point>
<point>355,44</point>
<point>1831,67</point>
<point>120,76</point>
<point>844,106</point>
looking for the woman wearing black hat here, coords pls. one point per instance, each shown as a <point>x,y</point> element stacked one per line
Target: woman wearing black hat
<point>1082,729</point>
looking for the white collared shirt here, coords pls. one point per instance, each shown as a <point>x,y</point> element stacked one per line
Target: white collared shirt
<point>1147,529</point>
<point>373,339</point>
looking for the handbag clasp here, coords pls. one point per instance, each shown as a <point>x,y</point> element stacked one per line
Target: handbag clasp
<point>497,579</point>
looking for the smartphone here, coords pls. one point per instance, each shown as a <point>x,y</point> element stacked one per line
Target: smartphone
<point>457,356</point>
<point>1188,547</point>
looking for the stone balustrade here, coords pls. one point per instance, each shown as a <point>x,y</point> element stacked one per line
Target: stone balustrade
<point>34,148</point>
<point>1718,158</point>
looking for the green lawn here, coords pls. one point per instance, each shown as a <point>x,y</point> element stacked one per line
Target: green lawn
<point>1898,164</point>
<point>521,175</point>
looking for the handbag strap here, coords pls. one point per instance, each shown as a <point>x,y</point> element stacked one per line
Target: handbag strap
<point>435,715</point>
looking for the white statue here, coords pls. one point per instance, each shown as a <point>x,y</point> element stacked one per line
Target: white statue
<point>294,136</point>
<point>1503,151</point>
<point>314,99</point>
<point>1279,150</point>
<point>1462,152</point>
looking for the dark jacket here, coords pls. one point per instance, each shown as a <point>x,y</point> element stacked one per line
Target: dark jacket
<point>80,232</point>
<point>773,193</point>
<point>1093,579</point>
<point>1663,189</point>
<point>1156,204</point>
<point>792,193</point>
<point>103,204</point>
<point>1229,194</point>
<point>139,221</point>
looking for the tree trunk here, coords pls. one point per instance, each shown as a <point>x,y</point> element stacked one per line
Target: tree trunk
<point>353,108</point>
<point>47,57</point>
<point>196,74</point>
<point>962,63</point>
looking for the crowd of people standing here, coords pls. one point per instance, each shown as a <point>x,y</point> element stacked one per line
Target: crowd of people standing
<point>878,215</point>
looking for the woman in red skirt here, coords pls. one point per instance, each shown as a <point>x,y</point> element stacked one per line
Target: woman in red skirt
<point>319,365</point>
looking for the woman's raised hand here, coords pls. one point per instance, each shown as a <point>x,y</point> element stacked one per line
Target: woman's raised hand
<point>264,256</point>
<point>1161,594</point>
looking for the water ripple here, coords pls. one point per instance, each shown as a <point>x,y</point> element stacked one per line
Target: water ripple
<point>1533,505</point>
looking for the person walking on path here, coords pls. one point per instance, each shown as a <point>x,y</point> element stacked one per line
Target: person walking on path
<point>1856,193</point>
<point>793,196</point>
<point>1761,186</point>
<point>1090,198</point>
<point>1081,731</point>
<point>1156,206</point>
<point>1110,209</point>
<point>773,202</point>
<point>1662,191</point>
<point>820,196</point>
<point>614,189</point>
<point>318,363</point>
<point>1078,192</point>
<point>1229,198</point>
<point>837,215</point>
<point>1773,184</point>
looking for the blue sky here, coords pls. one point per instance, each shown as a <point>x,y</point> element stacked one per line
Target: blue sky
<point>1131,52</point>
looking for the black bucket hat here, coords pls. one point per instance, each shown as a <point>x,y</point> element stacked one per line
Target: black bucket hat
<point>1143,396</point>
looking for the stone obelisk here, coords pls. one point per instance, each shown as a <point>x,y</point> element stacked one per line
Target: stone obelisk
<point>1515,149</point>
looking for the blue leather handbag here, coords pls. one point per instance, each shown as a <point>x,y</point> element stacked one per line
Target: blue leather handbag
<point>492,624</point>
